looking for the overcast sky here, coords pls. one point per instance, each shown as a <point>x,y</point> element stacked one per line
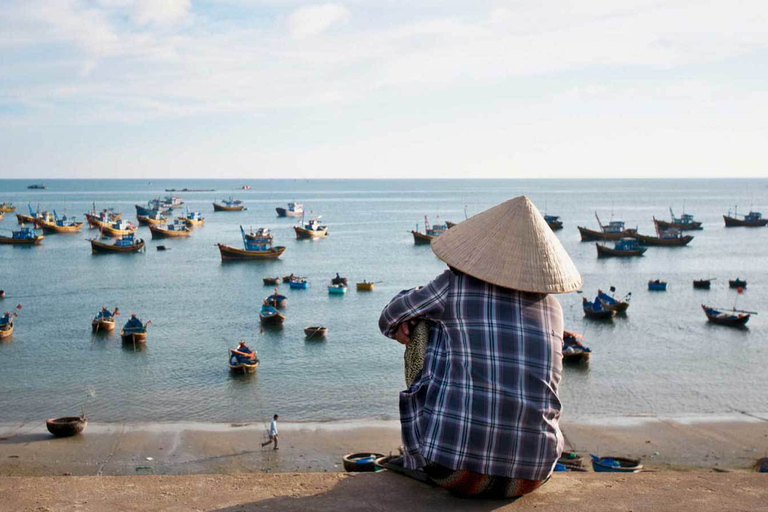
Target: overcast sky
<point>374,88</point>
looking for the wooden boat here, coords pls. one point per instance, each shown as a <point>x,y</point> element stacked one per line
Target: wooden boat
<point>657,286</point>
<point>315,332</point>
<point>310,230</point>
<point>6,330</point>
<point>175,230</point>
<point>101,324</point>
<point>702,284</point>
<point>34,216</point>
<point>134,336</point>
<point>293,210</point>
<point>118,228</point>
<point>430,232</point>
<point>612,303</point>
<point>172,202</point>
<point>337,289</point>
<point>595,310</point>
<point>271,281</point>
<point>96,219</point>
<point>59,225</point>
<point>624,248</point>
<point>737,283</point>
<point>751,220</point>
<point>554,222</point>
<point>66,426</point>
<point>151,220</point>
<point>669,238</point>
<point>253,249</point>
<point>683,223</point>
<point>270,316</point>
<point>7,208</point>
<point>573,350</point>
<point>125,244</point>
<point>365,286</point>
<point>732,318</point>
<point>40,186</point>
<point>276,300</point>
<point>298,283</point>
<point>614,230</point>
<point>615,465</point>
<point>193,219</point>
<point>23,236</point>
<point>153,208</point>
<point>228,205</point>
<point>236,366</point>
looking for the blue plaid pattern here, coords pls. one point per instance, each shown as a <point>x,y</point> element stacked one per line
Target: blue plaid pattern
<point>486,400</point>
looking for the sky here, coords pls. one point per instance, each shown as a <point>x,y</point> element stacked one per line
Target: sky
<point>383,89</point>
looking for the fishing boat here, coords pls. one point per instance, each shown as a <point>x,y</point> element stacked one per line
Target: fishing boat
<point>365,286</point>
<point>612,303</point>
<point>750,220</point>
<point>337,289</point>
<point>96,218</point>
<point>134,331</point>
<point>702,284</point>
<point>253,249</point>
<point>259,234</point>
<point>737,283</point>
<point>172,202</point>
<point>430,232</point>
<point>615,465</point>
<point>59,224</point>
<point>730,317</point>
<point>155,218</point>
<point>39,186</point>
<point>270,316</point>
<point>614,230</point>
<point>595,310</point>
<point>174,230</point>
<point>624,248</point>
<point>293,210</point>
<point>104,321</point>
<point>315,332</point>
<point>118,228</point>
<point>657,286</point>
<point>311,230</point>
<point>193,219</point>
<point>6,330</point>
<point>276,300</point>
<point>682,223</point>
<point>125,244</point>
<point>34,216</point>
<point>554,222</point>
<point>23,236</point>
<point>298,283</point>
<point>271,281</point>
<point>238,365</point>
<point>573,350</point>
<point>667,238</point>
<point>7,208</point>
<point>228,205</point>
<point>151,210</point>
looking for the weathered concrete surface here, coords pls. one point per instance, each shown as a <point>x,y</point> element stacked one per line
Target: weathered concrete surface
<point>693,491</point>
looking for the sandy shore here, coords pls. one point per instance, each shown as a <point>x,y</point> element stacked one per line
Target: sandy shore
<point>725,442</point>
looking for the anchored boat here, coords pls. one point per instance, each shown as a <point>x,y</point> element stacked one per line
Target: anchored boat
<point>624,248</point>
<point>7,208</point>
<point>193,219</point>
<point>270,316</point>
<point>595,310</point>
<point>175,230</point>
<point>573,350</point>
<point>228,205</point>
<point>104,321</point>
<point>614,230</point>
<point>750,220</point>
<point>365,286</point>
<point>298,283</point>
<point>315,332</point>
<point>310,230</point>
<point>59,224</point>
<point>253,249</point>
<point>737,283</point>
<point>118,228</point>
<point>125,244</point>
<point>612,303</point>
<point>293,210</point>
<point>665,238</point>
<point>23,236</point>
<point>135,331</point>
<point>730,317</point>
<point>657,286</point>
<point>276,300</point>
<point>554,222</point>
<point>702,284</point>
<point>153,219</point>
<point>682,223</point>
<point>430,232</point>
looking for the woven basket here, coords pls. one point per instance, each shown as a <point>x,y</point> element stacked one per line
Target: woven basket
<point>415,351</point>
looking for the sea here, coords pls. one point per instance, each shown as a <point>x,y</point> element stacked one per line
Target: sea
<point>662,358</point>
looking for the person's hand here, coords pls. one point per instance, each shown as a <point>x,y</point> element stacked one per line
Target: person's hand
<point>403,334</point>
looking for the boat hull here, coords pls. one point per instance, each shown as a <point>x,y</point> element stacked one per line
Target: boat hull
<point>194,223</point>
<point>133,337</point>
<point>664,225</point>
<point>7,209</point>
<point>576,356</point>
<point>662,242</point>
<point>364,287</point>
<point>149,221</point>
<point>590,235</point>
<point>229,253</point>
<point>222,208</point>
<point>618,307</point>
<point>657,287</point>
<point>732,222</point>
<point>421,238</point>
<point>103,325</point>
<point>737,284</point>
<point>160,232</point>
<point>102,248</point>
<point>555,225</point>
<point>337,290</point>
<point>315,332</point>
<point>50,227</point>
<point>243,368</point>
<point>285,212</point>
<point>298,286</point>
<point>7,240</point>
<point>271,281</point>
<point>605,314</point>
<point>277,319</point>
<point>308,234</point>
<point>702,285</point>
<point>6,333</point>
<point>607,252</point>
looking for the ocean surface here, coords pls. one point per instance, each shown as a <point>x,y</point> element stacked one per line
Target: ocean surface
<point>662,358</point>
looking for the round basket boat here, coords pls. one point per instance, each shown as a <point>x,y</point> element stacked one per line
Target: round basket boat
<point>361,462</point>
<point>66,426</point>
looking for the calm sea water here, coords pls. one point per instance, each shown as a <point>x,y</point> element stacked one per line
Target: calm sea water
<point>663,358</point>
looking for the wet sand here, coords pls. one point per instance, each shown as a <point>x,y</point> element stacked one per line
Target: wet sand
<point>726,442</point>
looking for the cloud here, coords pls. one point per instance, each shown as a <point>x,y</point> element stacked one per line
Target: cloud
<point>316,19</point>
<point>160,11</point>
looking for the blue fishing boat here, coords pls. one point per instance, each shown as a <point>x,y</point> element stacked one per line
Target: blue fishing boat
<point>750,220</point>
<point>554,222</point>
<point>298,283</point>
<point>624,248</point>
<point>269,315</point>
<point>615,465</point>
<point>253,249</point>
<point>595,310</point>
<point>683,223</point>
<point>193,219</point>
<point>23,236</point>
<point>614,230</point>
<point>657,286</point>
<point>611,302</point>
<point>430,232</point>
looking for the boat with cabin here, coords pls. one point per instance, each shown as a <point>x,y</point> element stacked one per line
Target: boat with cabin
<point>174,230</point>
<point>193,219</point>
<point>657,285</point>
<point>595,310</point>
<point>118,228</point>
<point>62,224</point>
<point>172,202</point>
<point>666,238</point>
<point>229,205</point>
<point>155,218</point>
<point>270,316</point>
<point>614,230</point>
<point>7,208</point>
<point>573,350</point>
<point>683,223</point>
<point>554,222</point>
<point>311,230</point>
<point>729,317</point>
<point>124,244</point>
<point>22,236</point>
<point>293,210</point>
<point>253,249</point>
<point>430,232</point>
<point>623,248</point>
<point>750,220</point>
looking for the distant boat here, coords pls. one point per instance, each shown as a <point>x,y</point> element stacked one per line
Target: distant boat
<point>732,318</point>
<point>684,223</point>
<point>702,284</point>
<point>298,283</point>
<point>611,302</point>
<point>293,210</point>
<point>750,220</point>
<point>245,187</point>
<point>657,286</point>
<point>737,283</point>
<point>271,281</point>
<point>337,289</point>
<point>311,230</point>
<point>228,205</point>
<point>554,222</point>
<point>253,249</point>
<point>614,230</point>
<point>34,216</point>
<point>125,244</point>
<point>365,286</point>
<point>6,328</point>
<point>667,238</point>
<point>595,310</point>
<point>315,332</point>
<point>39,186</point>
<point>270,316</point>
<point>573,350</point>
<point>134,334</point>
<point>430,232</point>
<point>96,219</point>
<point>104,323</point>
<point>624,248</point>
<point>7,208</point>
<point>22,236</point>
<point>175,230</point>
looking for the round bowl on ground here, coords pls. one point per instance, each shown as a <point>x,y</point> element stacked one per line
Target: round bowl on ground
<point>361,462</point>
<point>66,426</point>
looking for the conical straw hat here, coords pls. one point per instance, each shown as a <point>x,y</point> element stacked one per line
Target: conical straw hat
<point>510,245</point>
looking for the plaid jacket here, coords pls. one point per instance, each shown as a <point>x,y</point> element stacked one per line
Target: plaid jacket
<point>486,400</point>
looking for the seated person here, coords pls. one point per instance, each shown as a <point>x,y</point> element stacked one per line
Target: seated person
<point>243,354</point>
<point>134,324</point>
